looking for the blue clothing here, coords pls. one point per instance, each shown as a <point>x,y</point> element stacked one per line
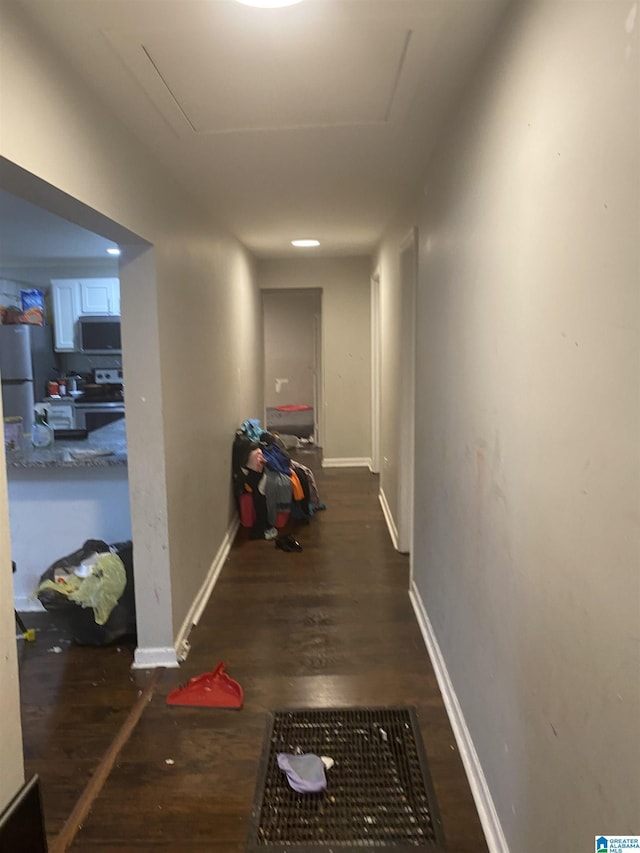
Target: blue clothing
<point>253,429</point>
<point>277,459</point>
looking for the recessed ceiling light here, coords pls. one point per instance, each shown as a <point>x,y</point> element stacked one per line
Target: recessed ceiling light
<point>305,243</point>
<point>114,251</point>
<point>268,4</point>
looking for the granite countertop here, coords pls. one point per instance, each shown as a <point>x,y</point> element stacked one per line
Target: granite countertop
<point>102,448</point>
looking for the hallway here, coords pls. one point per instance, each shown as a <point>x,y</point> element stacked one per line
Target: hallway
<point>331,626</point>
<point>526,543</point>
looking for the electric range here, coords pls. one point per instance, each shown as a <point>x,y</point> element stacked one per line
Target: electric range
<point>102,401</point>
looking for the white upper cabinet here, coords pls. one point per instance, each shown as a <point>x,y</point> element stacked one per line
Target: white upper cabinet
<point>114,297</point>
<point>65,294</point>
<point>100,296</point>
<point>73,298</point>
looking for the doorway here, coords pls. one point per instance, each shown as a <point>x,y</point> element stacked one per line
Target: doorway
<point>376,371</point>
<point>292,362</point>
<point>39,246</point>
<point>406,409</point>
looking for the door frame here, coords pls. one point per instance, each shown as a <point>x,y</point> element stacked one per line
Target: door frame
<point>376,368</point>
<point>318,377</point>
<point>408,253</point>
<point>318,371</point>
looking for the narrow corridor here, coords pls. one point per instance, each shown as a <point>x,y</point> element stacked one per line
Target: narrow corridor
<point>330,626</point>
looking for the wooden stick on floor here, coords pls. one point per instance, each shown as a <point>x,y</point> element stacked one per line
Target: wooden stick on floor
<point>94,785</point>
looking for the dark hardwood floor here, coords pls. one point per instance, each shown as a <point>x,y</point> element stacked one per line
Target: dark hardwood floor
<point>330,626</point>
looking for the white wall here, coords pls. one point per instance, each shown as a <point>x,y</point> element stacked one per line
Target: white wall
<point>210,329</point>
<point>63,507</point>
<point>191,329</point>
<point>346,346</point>
<point>527,540</point>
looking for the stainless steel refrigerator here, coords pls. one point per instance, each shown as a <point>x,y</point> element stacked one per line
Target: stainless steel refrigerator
<point>27,361</point>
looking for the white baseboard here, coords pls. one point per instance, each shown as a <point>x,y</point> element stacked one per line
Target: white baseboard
<point>347,462</point>
<point>494,835</point>
<point>150,658</point>
<point>201,599</point>
<point>391,525</point>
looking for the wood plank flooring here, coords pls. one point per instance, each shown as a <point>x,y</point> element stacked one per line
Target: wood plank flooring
<point>330,626</point>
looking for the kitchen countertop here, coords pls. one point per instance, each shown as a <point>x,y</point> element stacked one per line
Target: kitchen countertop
<point>104,447</point>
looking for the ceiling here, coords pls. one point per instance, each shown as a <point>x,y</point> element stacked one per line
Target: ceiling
<point>28,231</point>
<point>314,120</point>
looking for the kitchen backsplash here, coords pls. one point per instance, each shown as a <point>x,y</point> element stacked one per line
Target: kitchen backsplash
<point>75,362</point>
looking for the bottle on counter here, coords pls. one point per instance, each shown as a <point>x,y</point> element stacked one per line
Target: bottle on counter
<point>41,431</point>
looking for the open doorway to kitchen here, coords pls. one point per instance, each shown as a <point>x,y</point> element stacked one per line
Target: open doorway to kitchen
<point>292,360</point>
<point>58,264</point>
<point>48,236</point>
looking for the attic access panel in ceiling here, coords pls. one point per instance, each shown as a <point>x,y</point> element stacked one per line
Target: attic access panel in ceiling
<point>266,78</point>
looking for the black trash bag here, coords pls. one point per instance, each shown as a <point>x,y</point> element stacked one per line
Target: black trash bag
<point>242,447</point>
<point>80,621</point>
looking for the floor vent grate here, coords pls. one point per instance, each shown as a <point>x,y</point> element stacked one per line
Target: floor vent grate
<point>379,793</point>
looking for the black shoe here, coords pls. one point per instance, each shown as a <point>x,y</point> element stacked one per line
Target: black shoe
<point>288,543</point>
<point>293,544</point>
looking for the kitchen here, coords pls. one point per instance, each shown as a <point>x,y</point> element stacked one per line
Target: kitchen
<point>53,369</point>
<point>77,487</point>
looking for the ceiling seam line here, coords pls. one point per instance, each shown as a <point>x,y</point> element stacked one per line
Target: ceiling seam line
<point>168,88</point>
<point>396,82</point>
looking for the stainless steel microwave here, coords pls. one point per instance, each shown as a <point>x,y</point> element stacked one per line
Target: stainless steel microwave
<point>99,335</point>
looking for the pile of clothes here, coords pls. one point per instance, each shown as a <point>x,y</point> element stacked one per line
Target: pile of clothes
<point>278,485</point>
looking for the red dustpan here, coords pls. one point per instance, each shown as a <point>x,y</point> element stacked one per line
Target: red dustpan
<point>212,689</point>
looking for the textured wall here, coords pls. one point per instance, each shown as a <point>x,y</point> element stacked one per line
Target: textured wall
<point>528,482</point>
